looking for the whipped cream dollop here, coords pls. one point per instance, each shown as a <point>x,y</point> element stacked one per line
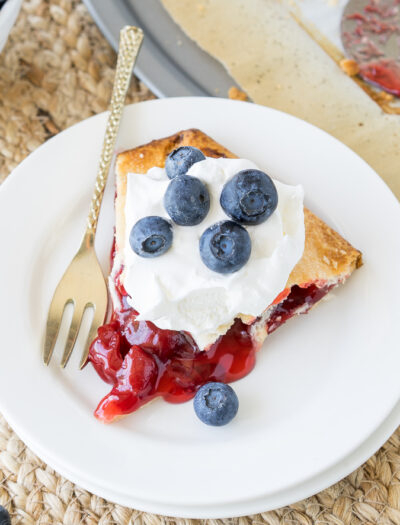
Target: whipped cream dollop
<point>176,290</point>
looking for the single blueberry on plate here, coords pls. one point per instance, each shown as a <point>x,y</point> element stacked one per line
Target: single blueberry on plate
<point>151,236</point>
<point>216,404</point>
<point>187,200</point>
<point>4,516</point>
<point>181,159</point>
<point>250,197</point>
<point>225,247</point>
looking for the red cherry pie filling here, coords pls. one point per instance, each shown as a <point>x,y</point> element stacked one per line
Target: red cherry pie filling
<point>143,362</point>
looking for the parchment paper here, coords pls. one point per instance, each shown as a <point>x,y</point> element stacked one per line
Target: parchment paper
<point>280,66</point>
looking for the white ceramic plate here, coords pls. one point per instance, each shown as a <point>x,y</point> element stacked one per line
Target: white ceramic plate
<point>323,382</point>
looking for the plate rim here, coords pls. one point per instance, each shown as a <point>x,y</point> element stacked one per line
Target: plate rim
<point>320,482</point>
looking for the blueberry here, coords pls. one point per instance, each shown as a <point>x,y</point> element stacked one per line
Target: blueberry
<point>181,159</point>
<point>225,247</point>
<point>187,200</point>
<point>216,404</point>
<point>4,516</point>
<point>151,236</point>
<point>250,197</point>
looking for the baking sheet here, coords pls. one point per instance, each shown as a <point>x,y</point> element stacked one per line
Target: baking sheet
<point>170,64</point>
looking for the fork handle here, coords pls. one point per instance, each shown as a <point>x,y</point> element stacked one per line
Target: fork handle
<point>129,45</point>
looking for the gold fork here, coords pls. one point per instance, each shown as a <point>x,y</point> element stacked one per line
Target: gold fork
<point>83,282</point>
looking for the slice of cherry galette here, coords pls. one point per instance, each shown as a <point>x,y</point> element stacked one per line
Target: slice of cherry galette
<point>210,256</point>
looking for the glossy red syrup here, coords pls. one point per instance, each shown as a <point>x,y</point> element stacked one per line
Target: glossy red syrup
<point>299,297</point>
<point>384,74</point>
<point>367,40</point>
<point>142,362</point>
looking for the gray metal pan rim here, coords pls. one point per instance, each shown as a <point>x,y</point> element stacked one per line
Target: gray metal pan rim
<point>159,67</point>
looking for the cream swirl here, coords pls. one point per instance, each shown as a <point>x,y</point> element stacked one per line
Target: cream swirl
<point>176,290</point>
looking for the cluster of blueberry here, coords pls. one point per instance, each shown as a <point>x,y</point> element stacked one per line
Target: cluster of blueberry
<point>249,198</point>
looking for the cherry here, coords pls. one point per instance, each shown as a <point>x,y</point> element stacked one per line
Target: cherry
<point>142,361</point>
<point>105,352</point>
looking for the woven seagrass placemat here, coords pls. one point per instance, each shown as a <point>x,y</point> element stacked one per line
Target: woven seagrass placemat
<point>57,69</point>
